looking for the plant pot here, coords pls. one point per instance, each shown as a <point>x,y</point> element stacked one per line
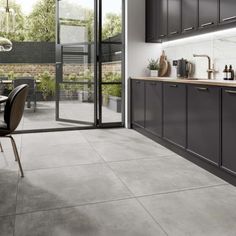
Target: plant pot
<point>153,73</point>
<point>114,103</point>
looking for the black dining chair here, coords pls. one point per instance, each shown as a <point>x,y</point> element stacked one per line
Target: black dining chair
<point>31,82</point>
<point>13,112</point>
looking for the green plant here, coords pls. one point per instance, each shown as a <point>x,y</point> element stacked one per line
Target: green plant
<point>46,85</point>
<point>113,89</point>
<point>2,73</point>
<point>153,65</point>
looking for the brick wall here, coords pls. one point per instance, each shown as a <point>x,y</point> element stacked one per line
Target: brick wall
<point>36,69</point>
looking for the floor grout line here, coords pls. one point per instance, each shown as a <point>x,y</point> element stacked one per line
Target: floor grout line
<point>182,190</point>
<point>71,206</point>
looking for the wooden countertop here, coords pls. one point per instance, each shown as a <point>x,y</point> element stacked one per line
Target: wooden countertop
<point>223,83</point>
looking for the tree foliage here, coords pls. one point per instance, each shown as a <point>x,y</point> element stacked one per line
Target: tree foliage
<point>41,22</point>
<point>112,25</point>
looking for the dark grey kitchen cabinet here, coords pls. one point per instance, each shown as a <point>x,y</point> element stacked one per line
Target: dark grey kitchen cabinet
<point>174,113</point>
<point>138,102</point>
<point>189,15</point>
<point>152,14</point>
<point>153,112</point>
<point>208,13</point>
<point>203,115</point>
<point>162,18</point>
<point>227,11</point>
<point>229,129</point>
<point>174,17</point>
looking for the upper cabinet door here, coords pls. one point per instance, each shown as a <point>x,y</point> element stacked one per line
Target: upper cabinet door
<point>227,11</point>
<point>174,17</point>
<point>162,19</point>
<point>189,15</point>
<point>208,13</point>
<point>152,20</point>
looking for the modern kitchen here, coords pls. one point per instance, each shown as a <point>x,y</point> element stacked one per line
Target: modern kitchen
<point>163,163</point>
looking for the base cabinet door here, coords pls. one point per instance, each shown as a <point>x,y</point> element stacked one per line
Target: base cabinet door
<point>229,129</point>
<point>153,104</point>
<point>204,122</point>
<point>174,113</point>
<point>137,99</point>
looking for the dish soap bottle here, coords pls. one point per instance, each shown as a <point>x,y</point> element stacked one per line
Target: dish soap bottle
<point>225,71</point>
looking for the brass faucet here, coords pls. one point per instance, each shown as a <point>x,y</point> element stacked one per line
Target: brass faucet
<point>210,70</point>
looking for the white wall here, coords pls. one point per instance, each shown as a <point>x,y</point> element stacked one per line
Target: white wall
<point>137,51</point>
<point>220,46</point>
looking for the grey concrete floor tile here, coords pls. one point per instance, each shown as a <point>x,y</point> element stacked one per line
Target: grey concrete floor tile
<point>68,186</point>
<point>59,155</point>
<point>8,190</point>
<point>128,150</point>
<point>6,142</point>
<point>52,138</point>
<point>120,218</point>
<point>7,225</point>
<point>205,212</point>
<point>7,161</point>
<point>120,134</point>
<point>153,176</point>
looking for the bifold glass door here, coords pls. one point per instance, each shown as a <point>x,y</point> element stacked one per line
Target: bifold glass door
<point>89,62</point>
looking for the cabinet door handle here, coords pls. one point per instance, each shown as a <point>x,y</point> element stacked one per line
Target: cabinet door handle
<point>162,35</point>
<point>207,24</point>
<point>137,82</point>
<point>201,89</point>
<point>229,18</point>
<point>230,91</point>
<point>173,85</point>
<point>174,32</point>
<point>188,29</point>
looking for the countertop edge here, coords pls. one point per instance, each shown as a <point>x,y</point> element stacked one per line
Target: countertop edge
<point>231,83</point>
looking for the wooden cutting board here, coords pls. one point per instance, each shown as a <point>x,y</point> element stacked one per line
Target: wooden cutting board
<point>164,65</point>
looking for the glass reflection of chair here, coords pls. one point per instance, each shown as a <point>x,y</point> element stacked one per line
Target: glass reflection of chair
<point>31,82</point>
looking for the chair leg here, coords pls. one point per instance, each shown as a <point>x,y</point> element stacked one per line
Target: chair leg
<point>16,154</point>
<point>1,147</point>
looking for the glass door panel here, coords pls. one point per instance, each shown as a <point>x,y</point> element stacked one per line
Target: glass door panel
<point>75,62</point>
<point>111,50</point>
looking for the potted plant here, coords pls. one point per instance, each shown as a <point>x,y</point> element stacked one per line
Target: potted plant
<point>153,67</point>
<point>46,85</point>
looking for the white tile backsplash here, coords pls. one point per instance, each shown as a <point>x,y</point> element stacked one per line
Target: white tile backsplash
<point>220,46</point>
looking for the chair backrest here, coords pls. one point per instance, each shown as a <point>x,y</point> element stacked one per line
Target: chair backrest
<point>30,81</point>
<point>14,107</point>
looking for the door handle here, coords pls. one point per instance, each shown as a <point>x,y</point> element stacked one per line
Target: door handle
<point>230,91</point>
<point>207,24</point>
<point>162,35</point>
<point>229,18</point>
<point>174,32</point>
<point>188,29</point>
<point>173,85</point>
<point>201,89</point>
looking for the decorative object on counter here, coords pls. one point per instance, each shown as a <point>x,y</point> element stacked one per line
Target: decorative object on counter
<point>231,73</point>
<point>153,66</point>
<point>164,65</point>
<point>184,68</point>
<point>225,71</point>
